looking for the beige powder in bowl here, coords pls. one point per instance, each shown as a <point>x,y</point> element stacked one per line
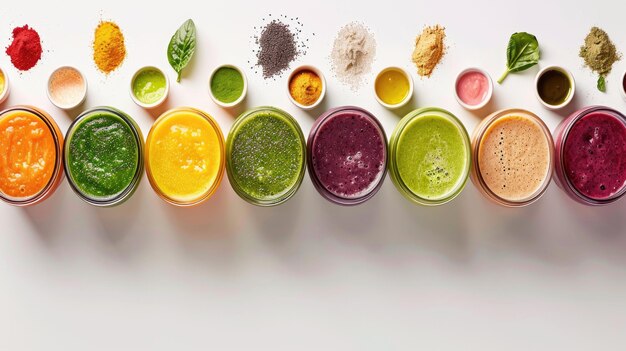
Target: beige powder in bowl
<point>67,87</point>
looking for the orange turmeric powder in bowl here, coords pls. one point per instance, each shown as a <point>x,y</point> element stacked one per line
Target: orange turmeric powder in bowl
<point>307,87</point>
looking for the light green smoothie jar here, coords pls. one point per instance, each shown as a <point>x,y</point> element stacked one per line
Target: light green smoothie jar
<point>430,156</point>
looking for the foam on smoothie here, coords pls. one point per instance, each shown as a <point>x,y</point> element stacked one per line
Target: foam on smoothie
<point>594,155</point>
<point>348,154</point>
<point>514,157</point>
<point>432,156</point>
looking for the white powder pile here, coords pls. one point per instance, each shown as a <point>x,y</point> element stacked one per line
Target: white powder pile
<point>353,54</point>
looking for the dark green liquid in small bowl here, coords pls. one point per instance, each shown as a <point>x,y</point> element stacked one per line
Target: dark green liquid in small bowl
<point>554,87</point>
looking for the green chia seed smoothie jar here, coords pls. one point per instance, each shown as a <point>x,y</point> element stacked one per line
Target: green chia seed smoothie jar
<point>430,156</point>
<point>104,156</point>
<point>265,156</point>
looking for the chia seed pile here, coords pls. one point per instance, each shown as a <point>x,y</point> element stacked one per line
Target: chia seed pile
<point>277,45</point>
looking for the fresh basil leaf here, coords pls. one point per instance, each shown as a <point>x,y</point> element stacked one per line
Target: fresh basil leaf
<point>522,52</point>
<point>182,46</point>
<point>602,84</point>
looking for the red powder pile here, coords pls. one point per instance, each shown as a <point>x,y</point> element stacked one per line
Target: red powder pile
<point>25,50</point>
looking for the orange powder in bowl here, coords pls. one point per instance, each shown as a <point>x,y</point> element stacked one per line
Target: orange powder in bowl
<point>305,87</point>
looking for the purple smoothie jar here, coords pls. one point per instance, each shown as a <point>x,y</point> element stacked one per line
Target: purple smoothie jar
<point>590,162</point>
<point>347,155</point>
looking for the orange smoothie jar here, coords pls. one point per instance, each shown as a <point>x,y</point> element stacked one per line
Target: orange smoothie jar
<point>31,146</point>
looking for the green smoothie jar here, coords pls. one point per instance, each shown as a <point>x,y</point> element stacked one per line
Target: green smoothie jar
<point>104,156</point>
<point>265,156</point>
<point>429,156</point>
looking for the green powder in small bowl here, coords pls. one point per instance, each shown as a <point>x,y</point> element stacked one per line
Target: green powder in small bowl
<point>227,85</point>
<point>149,87</point>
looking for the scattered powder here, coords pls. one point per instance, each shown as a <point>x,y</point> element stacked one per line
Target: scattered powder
<point>109,50</point>
<point>599,52</point>
<point>353,54</point>
<point>66,87</point>
<point>429,49</point>
<point>278,45</point>
<point>25,49</point>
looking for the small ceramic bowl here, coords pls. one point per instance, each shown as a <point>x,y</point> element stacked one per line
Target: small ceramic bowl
<point>243,93</point>
<point>160,100</point>
<point>60,104</point>
<point>485,99</point>
<point>4,93</point>
<point>572,89</point>
<point>409,94</point>
<point>622,87</point>
<point>319,74</point>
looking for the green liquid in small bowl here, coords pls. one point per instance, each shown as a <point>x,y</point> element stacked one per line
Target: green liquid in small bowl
<point>149,86</point>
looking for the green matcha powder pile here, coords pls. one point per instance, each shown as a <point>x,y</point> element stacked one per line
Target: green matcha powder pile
<point>599,54</point>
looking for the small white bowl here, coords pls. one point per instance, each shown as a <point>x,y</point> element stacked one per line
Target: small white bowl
<point>571,80</point>
<point>489,89</point>
<point>58,103</point>
<point>319,74</point>
<point>4,94</point>
<point>409,95</point>
<point>244,92</point>
<point>622,88</point>
<point>156,103</point>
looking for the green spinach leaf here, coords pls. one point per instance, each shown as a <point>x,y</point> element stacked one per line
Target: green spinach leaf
<point>182,46</point>
<point>521,53</point>
<point>602,84</point>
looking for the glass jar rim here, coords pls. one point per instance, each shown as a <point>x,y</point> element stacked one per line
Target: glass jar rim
<point>577,116</point>
<point>57,174</point>
<point>393,144</point>
<point>341,200</point>
<point>289,192</point>
<point>218,179</point>
<point>132,185</point>
<point>479,133</point>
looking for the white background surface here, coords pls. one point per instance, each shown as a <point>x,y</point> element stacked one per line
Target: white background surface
<point>309,275</point>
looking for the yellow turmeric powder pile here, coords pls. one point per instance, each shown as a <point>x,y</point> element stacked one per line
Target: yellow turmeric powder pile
<point>305,87</point>
<point>108,47</point>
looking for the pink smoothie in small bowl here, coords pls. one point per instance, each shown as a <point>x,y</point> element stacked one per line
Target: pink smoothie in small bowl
<point>472,88</point>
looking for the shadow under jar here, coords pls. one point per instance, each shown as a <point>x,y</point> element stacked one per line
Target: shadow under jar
<point>512,153</point>
<point>31,164</point>
<point>429,156</point>
<point>265,156</point>
<point>103,156</point>
<point>347,160</point>
<point>590,162</point>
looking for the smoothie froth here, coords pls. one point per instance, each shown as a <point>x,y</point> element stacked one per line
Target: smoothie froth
<point>514,157</point>
<point>594,155</point>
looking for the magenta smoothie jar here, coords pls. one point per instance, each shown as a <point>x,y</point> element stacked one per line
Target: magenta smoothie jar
<point>590,157</point>
<point>347,155</point>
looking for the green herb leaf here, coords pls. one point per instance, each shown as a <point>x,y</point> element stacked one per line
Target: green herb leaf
<point>521,53</point>
<point>182,46</point>
<point>602,84</point>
